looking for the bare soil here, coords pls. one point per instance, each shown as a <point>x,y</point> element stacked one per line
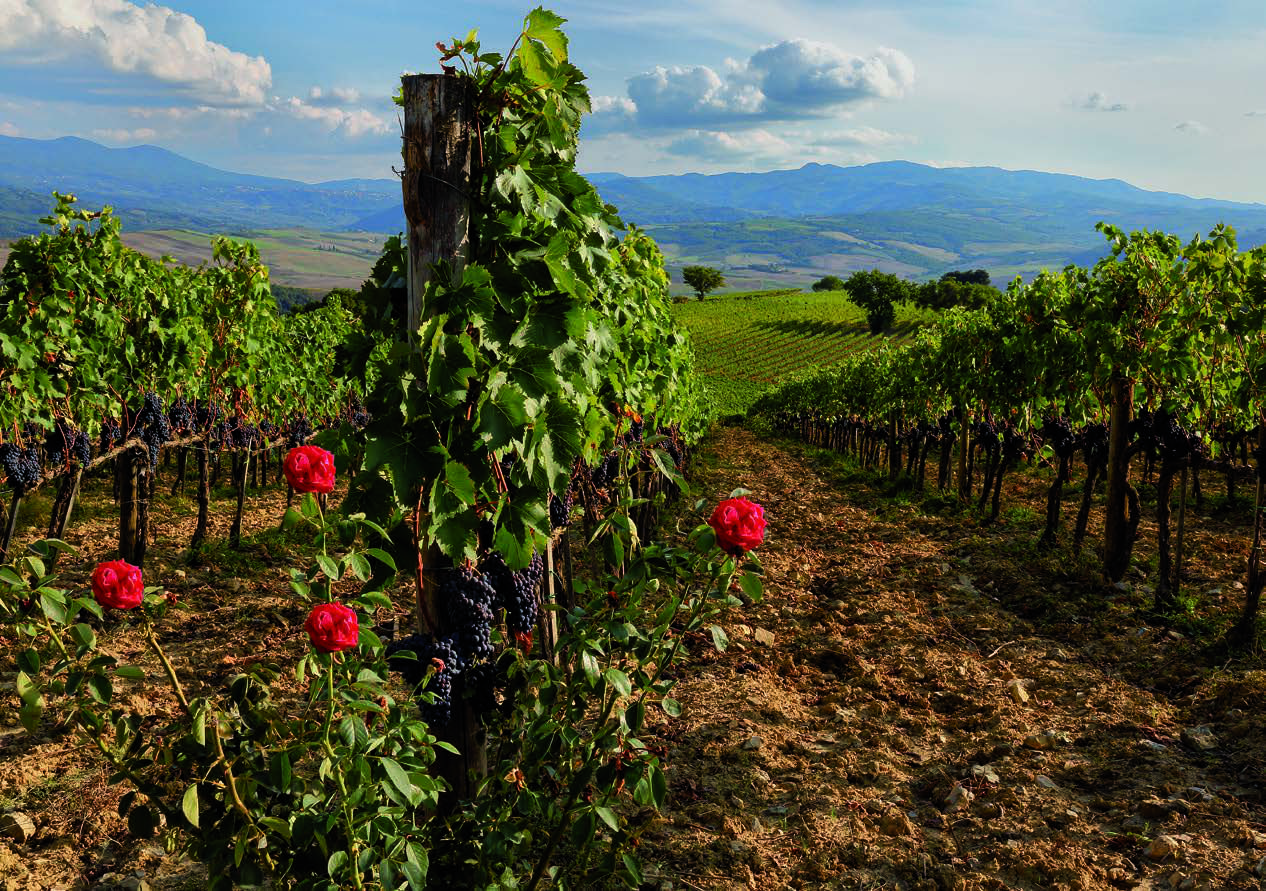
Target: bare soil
<point>920,702</point>
<point>923,702</point>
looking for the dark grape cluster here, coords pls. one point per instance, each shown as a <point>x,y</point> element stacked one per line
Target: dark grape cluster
<point>21,466</point>
<point>1173,441</point>
<point>467,599</point>
<point>1058,434</point>
<point>180,416</point>
<point>268,430</point>
<point>560,510</point>
<point>1094,443</point>
<point>607,470</point>
<point>111,434</point>
<point>426,648</point>
<point>298,432</point>
<point>208,415</point>
<point>81,451</point>
<point>241,435</point>
<point>517,592</point>
<point>153,425</point>
<point>358,416</point>
<point>672,445</point>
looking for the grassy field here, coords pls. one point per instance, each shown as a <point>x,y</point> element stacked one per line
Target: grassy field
<point>746,342</point>
<point>302,258</point>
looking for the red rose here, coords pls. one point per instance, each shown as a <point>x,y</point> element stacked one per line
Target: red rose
<point>117,583</point>
<point>309,469</point>
<point>332,627</point>
<point>739,525</point>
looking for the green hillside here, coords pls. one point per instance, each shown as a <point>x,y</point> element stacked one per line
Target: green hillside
<point>746,342</point>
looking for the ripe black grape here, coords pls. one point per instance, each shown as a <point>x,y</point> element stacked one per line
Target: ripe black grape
<point>300,428</point>
<point>467,599</point>
<point>517,592</point>
<point>560,510</point>
<point>426,649</point>
<point>21,467</point>
<point>154,427</point>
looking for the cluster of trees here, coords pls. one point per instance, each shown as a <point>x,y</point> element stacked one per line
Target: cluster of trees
<point>878,293</point>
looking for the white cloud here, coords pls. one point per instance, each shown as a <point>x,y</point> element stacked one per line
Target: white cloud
<point>135,41</point>
<point>189,112</point>
<point>123,135</point>
<point>1191,128</point>
<point>720,147</point>
<point>333,96</point>
<point>1097,101</point>
<point>790,80</point>
<point>351,122</point>
<point>868,136</point>
<point>798,74</point>
<point>8,128</point>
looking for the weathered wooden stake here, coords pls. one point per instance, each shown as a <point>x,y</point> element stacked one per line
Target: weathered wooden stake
<point>204,495</point>
<point>235,533</point>
<point>62,506</point>
<point>439,144</point>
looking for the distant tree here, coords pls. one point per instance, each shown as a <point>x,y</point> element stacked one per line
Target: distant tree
<point>290,298</point>
<point>950,292</point>
<point>877,293</point>
<point>829,283</point>
<point>967,277</point>
<point>703,279</point>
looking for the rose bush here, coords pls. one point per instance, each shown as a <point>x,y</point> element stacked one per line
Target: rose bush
<point>739,525</point>
<point>309,469</point>
<point>332,627</point>
<point>117,584</point>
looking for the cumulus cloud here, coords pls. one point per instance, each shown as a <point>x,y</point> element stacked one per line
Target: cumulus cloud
<point>1191,128</point>
<point>133,41</point>
<point>1097,101</point>
<point>721,147</point>
<point>333,96</point>
<point>123,135</point>
<point>8,128</point>
<point>790,80</point>
<point>352,122</point>
<point>189,112</point>
<point>867,136</point>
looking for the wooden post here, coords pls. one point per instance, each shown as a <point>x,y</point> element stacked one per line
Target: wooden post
<point>438,150</point>
<point>133,474</point>
<point>204,494</point>
<point>62,506</point>
<point>547,618</point>
<point>15,502</point>
<point>1117,543</point>
<point>178,485</point>
<point>235,533</point>
<point>439,141</point>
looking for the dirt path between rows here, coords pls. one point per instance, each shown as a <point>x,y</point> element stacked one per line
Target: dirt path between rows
<point>919,703</point>
<point>886,718</point>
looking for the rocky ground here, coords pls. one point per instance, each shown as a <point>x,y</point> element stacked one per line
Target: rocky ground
<point>925,703</point>
<point>920,702</point>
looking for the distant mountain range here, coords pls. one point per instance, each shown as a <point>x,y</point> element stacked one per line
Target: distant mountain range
<point>774,228</point>
<point>153,188</point>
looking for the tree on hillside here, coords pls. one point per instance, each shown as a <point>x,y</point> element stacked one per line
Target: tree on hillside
<point>967,277</point>
<point>703,279</point>
<point>950,292</point>
<point>876,293</point>
<point>829,283</point>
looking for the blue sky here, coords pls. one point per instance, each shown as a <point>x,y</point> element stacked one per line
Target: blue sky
<point>1150,92</point>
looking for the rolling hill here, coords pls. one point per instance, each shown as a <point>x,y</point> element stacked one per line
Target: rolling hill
<point>778,228</point>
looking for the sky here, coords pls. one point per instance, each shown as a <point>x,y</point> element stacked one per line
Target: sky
<point>1165,95</point>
